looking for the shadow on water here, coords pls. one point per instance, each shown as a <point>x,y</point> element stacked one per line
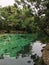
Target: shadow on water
<point>29,55</point>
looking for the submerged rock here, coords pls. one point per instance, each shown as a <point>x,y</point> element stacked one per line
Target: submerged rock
<point>29,61</point>
<point>42,50</point>
<point>33,56</point>
<point>35,64</point>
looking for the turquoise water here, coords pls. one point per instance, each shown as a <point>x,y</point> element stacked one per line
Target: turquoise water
<point>24,56</point>
<point>17,49</point>
<point>12,44</point>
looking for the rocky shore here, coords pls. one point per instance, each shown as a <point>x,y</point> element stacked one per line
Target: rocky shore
<point>45,54</point>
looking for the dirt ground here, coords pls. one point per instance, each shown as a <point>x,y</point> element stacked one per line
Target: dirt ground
<point>45,54</point>
<point>12,31</point>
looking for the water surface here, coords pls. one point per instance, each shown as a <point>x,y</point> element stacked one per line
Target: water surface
<point>24,57</point>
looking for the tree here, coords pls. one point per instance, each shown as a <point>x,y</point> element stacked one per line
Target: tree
<point>29,17</point>
<point>42,7</point>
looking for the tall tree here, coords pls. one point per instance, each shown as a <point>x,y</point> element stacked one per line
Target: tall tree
<point>40,10</point>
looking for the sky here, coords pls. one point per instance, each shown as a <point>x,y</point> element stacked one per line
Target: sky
<point>4,3</point>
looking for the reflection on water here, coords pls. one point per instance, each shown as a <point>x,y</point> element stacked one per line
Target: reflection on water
<point>14,61</point>
<point>14,43</point>
<point>24,57</point>
<point>37,47</point>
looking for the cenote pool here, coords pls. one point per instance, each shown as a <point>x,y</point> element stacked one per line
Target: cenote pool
<point>19,49</point>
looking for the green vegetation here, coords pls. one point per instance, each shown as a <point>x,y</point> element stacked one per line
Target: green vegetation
<point>14,18</point>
